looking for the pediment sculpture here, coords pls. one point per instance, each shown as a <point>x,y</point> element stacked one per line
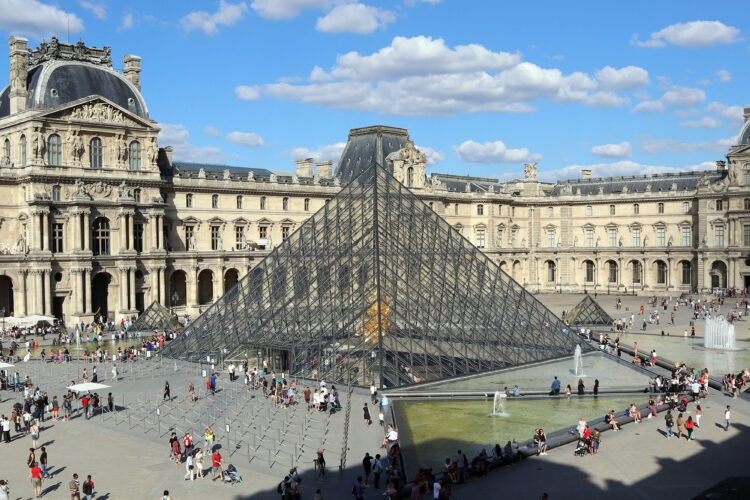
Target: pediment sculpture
<point>99,112</point>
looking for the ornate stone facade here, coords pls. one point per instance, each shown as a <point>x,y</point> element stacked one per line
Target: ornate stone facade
<point>95,218</point>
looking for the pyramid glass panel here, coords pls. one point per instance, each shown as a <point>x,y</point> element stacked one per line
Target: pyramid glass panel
<point>588,313</point>
<point>155,317</point>
<point>377,287</point>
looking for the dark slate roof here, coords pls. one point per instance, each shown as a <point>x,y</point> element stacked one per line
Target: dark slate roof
<point>685,181</point>
<point>458,183</point>
<point>191,170</point>
<point>215,167</point>
<point>368,145</point>
<point>74,80</point>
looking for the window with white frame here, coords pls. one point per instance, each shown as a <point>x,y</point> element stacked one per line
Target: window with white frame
<point>550,238</point>
<point>686,236</point>
<point>499,238</point>
<point>613,237</point>
<point>550,211</point>
<point>660,237</point>
<point>480,238</point>
<point>719,236</point>
<point>239,236</point>
<point>636,209</point>
<point>685,207</point>
<point>589,237</point>
<point>636,236</point>
<point>589,210</point>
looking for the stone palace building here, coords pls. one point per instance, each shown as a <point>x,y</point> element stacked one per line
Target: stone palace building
<point>96,218</point>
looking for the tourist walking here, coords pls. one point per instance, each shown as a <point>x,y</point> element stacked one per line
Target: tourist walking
<point>367,467</point>
<point>167,396</point>
<point>199,463</point>
<point>669,421</point>
<point>74,487</point>
<point>689,427</point>
<point>727,418</point>
<point>35,474</point>
<point>209,438</point>
<point>216,466</point>
<point>698,415</point>
<point>5,490</point>
<point>680,425</point>
<point>189,466</point>
<point>88,488</point>
<point>35,434</point>
<point>366,414</point>
<point>43,463</point>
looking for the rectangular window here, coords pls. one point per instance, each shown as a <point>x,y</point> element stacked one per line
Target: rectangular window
<point>55,193</point>
<point>513,238</point>
<point>719,205</point>
<point>550,212</point>
<point>189,200</point>
<point>613,237</point>
<point>239,203</point>
<point>589,211</point>
<point>611,210</point>
<point>686,237</point>
<point>215,238</point>
<point>137,195</point>
<point>746,177</point>
<point>262,202</point>
<point>284,232</point>
<point>307,204</point>
<point>660,208</point>
<point>480,238</point>
<point>455,209</point>
<point>636,237</point>
<point>746,234</point>
<point>612,273</point>
<point>636,209</point>
<point>719,236</point>
<point>589,237</point>
<point>190,237</point>
<point>263,232</point>
<point>57,237</point>
<point>138,237</point>
<point>480,209</point>
<point>550,238</point>
<point>685,207</point>
<point>687,272</point>
<point>660,237</point>
<point>239,236</point>
<point>500,238</point>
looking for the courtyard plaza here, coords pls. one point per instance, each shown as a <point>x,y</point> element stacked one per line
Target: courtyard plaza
<point>127,452</point>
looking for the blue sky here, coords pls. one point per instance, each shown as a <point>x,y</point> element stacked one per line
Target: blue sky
<point>622,88</point>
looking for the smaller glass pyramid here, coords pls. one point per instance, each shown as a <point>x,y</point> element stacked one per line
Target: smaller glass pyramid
<point>588,313</point>
<point>155,317</point>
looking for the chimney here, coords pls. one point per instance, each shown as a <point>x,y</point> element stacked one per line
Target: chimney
<point>168,153</point>
<point>586,174</point>
<point>132,70</point>
<point>721,165</point>
<point>324,169</point>
<point>747,113</point>
<point>19,71</point>
<point>304,167</point>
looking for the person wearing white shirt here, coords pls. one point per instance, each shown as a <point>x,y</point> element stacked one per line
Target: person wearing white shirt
<point>727,417</point>
<point>436,487</point>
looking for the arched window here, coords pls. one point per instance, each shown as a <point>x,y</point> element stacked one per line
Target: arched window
<point>262,202</point>
<point>101,236</point>
<point>134,155</point>
<point>56,193</point>
<point>551,271</point>
<point>410,177</point>
<point>612,278</point>
<point>480,209</point>
<point>214,201</point>
<point>687,272</point>
<point>661,272</point>
<point>189,200</point>
<point>285,204</point>
<point>95,153</point>
<point>307,204</point>
<point>636,271</point>
<point>589,271</point>
<point>660,208</point>
<point>6,149</point>
<point>23,150</point>
<point>589,210</point>
<point>54,150</point>
<point>686,207</point>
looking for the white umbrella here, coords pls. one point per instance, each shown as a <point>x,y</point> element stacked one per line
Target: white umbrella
<point>87,387</point>
<point>3,366</point>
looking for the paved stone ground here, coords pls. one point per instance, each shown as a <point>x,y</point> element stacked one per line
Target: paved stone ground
<point>128,463</point>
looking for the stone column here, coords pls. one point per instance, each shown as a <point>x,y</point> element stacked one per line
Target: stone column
<point>20,304</point>
<point>163,288</point>
<point>123,289</point>
<point>48,293</point>
<point>87,232</point>
<point>75,238</point>
<point>45,231</point>
<point>152,232</point>
<point>160,230</point>
<point>131,272</point>
<point>38,292</point>
<point>192,288</point>
<point>77,275</point>
<point>87,302</point>
<point>35,242</point>
<point>131,234</point>
<point>218,284</point>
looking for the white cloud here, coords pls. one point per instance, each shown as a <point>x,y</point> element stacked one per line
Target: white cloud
<point>662,146</point>
<point>322,153</point>
<point>211,131</point>
<point>677,97</point>
<point>734,114</point>
<point>618,168</point>
<point>705,122</point>
<point>423,76</point>
<point>287,9</point>
<point>227,15</point>
<point>625,78</point>
<point>127,22</point>
<point>433,157</point>
<point>98,9</point>
<point>31,17</point>
<point>247,93</point>
<point>492,153</point>
<point>621,150</point>
<point>724,76</point>
<point>246,139</point>
<point>692,34</point>
<point>177,136</point>
<point>354,18</point>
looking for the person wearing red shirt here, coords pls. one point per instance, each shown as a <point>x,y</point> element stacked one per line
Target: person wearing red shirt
<point>85,403</point>
<point>216,466</point>
<point>35,474</point>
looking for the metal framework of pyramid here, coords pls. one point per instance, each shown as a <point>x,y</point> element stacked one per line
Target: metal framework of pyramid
<point>155,317</point>
<point>588,313</point>
<point>378,287</point>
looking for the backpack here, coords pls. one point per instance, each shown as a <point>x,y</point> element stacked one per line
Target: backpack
<point>87,490</point>
<point>279,490</point>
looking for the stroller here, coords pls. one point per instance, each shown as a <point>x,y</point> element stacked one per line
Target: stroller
<point>231,475</point>
<point>582,448</point>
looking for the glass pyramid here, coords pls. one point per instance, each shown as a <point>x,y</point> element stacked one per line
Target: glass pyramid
<point>155,317</point>
<point>588,313</point>
<point>377,287</point>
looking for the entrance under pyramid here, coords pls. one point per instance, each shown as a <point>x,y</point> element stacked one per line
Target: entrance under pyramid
<point>377,287</point>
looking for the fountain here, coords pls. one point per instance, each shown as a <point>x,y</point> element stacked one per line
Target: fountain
<point>578,362</point>
<point>719,334</point>
<point>498,404</point>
